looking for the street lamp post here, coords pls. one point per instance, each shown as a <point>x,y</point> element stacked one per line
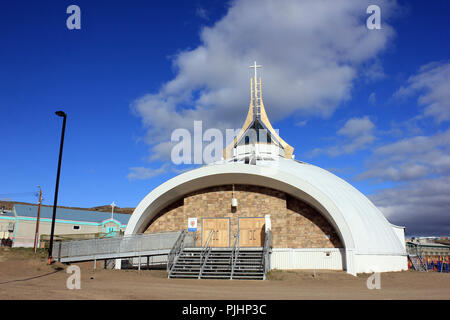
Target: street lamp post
<point>50,249</point>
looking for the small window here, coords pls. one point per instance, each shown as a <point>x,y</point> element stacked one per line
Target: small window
<point>76,227</point>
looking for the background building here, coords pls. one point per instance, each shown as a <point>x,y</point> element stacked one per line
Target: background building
<point>19,224</point>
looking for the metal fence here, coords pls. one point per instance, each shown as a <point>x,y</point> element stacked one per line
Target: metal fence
<point>131,245</point>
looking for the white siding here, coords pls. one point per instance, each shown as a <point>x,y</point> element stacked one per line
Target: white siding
<point>381,263</point>
<point>308,258</point>
<point>285,259</point>
<point>400,233</point>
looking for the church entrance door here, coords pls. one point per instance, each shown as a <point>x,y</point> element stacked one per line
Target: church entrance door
<point>221,231</point>
<point>251,232</point>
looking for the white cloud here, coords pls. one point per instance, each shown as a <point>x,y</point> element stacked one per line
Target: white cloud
<point>357,134</point>
<point>310,50</point>
<point>374,71</point>
<point>419,167</point>
<point>410,158</point>
<point>355,127</point>
<point>142,173</point>
<point>423,206</point>
<point>432,84</point>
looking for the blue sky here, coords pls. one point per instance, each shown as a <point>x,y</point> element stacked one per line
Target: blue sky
<point>372,106</point>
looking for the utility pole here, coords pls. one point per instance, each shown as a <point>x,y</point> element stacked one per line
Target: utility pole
<point>55,203</point>
<point>36,233</point>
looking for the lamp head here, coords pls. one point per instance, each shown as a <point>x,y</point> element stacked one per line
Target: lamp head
<point>60,113</point>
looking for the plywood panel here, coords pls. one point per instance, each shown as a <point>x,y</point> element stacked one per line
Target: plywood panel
<point>220,229</point>
<point>251,232</point>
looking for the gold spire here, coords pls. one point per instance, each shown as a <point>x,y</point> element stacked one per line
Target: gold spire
<point>257,112</point>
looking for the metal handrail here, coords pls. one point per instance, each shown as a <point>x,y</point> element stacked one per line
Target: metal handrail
<point>268,244</point>
<point>114,247</point>
<point>206,246</point>
<point>175,251</point>
<point>234,254</point>
<point>206,249</point>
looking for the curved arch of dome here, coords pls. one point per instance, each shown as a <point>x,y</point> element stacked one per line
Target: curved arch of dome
<point>215,175</point>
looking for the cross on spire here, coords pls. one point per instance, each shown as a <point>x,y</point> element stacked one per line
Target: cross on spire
<point>256,66</point>
<point>256,92</point>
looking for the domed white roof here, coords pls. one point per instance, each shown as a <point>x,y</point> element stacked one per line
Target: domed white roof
<point>371,232</point>
<point>360,224</point>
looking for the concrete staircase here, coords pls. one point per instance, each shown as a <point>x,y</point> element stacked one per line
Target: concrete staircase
<point>187,264</point>
<point>219,263</point>
<point>249,265</point>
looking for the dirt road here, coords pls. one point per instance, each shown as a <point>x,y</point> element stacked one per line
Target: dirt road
<point>26,276</point>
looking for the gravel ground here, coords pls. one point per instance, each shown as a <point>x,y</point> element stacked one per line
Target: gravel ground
<point>24,275</point>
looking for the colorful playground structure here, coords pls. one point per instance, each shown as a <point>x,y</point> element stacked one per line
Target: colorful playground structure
<point>421,258</point>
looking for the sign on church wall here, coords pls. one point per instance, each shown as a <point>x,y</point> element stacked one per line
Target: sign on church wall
<point>192,224</point>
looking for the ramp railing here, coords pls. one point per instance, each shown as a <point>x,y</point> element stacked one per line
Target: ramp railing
<point>234,254</point>
<point>122,246</point>
<point>176,249</point>
<point>206,249</point>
